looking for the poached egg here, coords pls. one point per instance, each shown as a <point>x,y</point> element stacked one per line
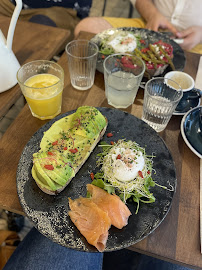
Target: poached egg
<point>123,42</point>
<point>127,163</point>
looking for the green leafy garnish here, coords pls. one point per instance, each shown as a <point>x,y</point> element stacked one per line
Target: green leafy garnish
<point>138,189</point>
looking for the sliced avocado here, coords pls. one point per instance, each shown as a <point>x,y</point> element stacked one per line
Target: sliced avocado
<point>88,118</point>
<point>99,121</point>
<point>57,175</point>
<point>65,146</point>
<point>95,116</point>
<point>62,170</point>
<point>42,176</point>
<point>59,127</point>
<point>86,122</point>
<point>41,182</point>
<point>85,129</point>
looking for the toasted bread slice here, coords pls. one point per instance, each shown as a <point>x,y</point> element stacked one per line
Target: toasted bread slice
<point>65,147</point>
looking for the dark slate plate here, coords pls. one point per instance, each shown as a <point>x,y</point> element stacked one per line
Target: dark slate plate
<point>150,37</point>
<point>50,213</point>
<point>191,129</point>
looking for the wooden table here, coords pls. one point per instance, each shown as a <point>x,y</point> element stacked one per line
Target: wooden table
<point>31,42</point>
<point>177,238</point>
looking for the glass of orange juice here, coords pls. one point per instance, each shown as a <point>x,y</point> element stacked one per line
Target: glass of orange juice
<point>42,83</point>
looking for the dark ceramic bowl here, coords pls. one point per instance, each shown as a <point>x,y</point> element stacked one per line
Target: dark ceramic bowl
<point>191,129</point>
<point>190,100</point>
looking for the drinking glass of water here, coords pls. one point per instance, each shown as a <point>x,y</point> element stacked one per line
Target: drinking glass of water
<point>82,59</point>
<point>123,74</point>
<point>161,96</point>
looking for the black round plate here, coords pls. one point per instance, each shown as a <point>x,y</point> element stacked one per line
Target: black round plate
<point>50,213</point>
<point>150,37</point>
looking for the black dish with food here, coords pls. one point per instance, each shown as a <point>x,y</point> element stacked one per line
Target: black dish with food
<point>49,214</point>
<point>149,37</point>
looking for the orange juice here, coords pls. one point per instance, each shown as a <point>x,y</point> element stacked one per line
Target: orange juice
<point>43,93</point>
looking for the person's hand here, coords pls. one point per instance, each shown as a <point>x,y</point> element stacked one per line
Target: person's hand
<point>192,36</point>
<point>157,21</point>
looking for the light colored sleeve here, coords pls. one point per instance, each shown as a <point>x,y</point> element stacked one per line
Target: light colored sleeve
<point>133,2</point>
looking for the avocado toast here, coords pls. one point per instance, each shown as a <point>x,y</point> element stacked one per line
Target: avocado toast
<point>65,147</point>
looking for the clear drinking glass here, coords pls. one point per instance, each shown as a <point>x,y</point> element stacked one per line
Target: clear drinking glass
<point>42,85</point>
<point>82,59</point>
<point>160,101</point>
<point>123,74</point>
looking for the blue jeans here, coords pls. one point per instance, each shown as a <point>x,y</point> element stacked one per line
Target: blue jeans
<point>37,252</point>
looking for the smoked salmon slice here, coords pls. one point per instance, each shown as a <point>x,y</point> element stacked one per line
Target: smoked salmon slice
<point>117,211</point>
<point>91,221</point>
